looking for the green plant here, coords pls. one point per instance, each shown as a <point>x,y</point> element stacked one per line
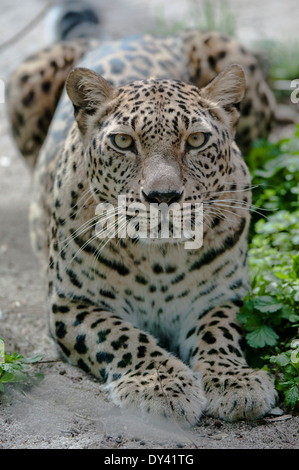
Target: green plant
<point>286,366</point>
<point>274,169</point>
<point>270,314</point>
<point>262,315</point>
<point>17,369</point>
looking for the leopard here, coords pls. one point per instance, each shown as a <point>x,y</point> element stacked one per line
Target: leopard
<point>156,120</point>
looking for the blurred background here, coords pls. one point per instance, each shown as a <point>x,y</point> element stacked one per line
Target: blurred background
<point>269,27</point>
<point>253,21</point>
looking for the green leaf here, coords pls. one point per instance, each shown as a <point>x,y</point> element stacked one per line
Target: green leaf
<point>291,394</point>
<point>7,377</point>
<point>281,359</point>
<point>247,315</point>
<point>39,377</point>
<point>262,336</point>
<point>266,303</point>
<point>18,370</point>
<point>295,356</point>
<point>296,265</point>
<point>33,359</point>
<point>21,376</point>
<point>15,357</point>
<point>288,313</point>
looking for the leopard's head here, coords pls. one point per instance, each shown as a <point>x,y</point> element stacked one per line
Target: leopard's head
<point>157,141</point>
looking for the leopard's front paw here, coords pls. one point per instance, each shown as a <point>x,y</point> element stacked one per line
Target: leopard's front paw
<point>162,392</point>
<point>239,394</point>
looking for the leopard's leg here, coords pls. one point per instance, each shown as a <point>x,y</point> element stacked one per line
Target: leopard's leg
<point>33,91</point>
<point>234,391</point>
<point>136,371</point>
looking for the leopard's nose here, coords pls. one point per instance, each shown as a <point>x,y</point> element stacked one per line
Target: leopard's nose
<point>169,197</point>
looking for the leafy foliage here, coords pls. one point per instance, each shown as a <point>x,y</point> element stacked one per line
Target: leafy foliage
<point>287,370</point>
<point>275,170</point>
<point>16,369</point>
<point>270,313</point>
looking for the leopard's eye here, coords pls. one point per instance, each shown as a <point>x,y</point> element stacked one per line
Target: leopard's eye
<point>196,140</point>
<point>122,141</point>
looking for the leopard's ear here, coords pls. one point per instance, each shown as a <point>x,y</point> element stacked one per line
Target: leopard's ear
<point>87,89</point>
<point>227,90</point>
<point>88,92</point>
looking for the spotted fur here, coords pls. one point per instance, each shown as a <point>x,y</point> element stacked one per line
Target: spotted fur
<point>154,321</point>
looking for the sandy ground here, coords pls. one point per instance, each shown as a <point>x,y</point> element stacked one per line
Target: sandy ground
<point>68,409</point>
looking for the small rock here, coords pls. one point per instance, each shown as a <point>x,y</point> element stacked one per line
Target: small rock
<point>275,412</point>
<point>218,423</point>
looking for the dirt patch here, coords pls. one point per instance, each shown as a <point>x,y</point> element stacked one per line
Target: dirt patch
<point>69,409</point>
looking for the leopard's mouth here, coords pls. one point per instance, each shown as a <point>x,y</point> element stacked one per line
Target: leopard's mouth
<point>175,228</point>
<point>152,224</point>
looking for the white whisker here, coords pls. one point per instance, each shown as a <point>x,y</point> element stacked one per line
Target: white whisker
<point>219,214</point>
<point>91,239</point>
<point>101,247</point>
<point>222,206</point>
